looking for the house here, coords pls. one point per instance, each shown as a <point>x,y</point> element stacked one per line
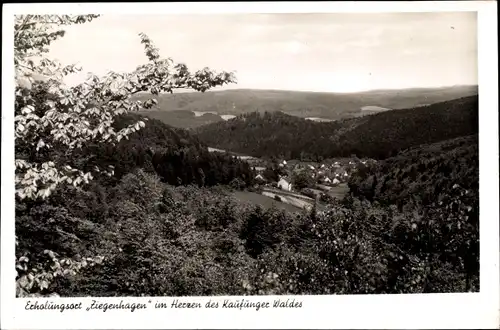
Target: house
<point>327,180</point>
<point>284,184</point>
<point>260,178</point>
<point>284,162</point>
<point>259,169</point>
<point>345,174</point>
<point>311,167</point>
<point>335,181</point>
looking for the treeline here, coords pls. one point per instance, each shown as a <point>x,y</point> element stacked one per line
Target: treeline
<point>178,157</point>
<point>376,136</point>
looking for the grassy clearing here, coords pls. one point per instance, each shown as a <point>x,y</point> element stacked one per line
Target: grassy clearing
<point>299,203</point>
<point>339,191</point>
<point>264,201</point>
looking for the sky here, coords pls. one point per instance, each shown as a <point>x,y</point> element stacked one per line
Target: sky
<point>334,52</point>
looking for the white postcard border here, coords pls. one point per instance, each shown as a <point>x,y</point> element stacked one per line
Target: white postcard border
<point>422,311</point>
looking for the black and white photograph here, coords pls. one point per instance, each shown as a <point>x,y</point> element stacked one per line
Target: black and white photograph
<point>245,155</point>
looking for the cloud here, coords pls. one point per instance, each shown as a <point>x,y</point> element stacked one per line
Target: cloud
<point>363,43</point>
<point>295,47</point>
<point>266,48</point>
<point>253,30</point>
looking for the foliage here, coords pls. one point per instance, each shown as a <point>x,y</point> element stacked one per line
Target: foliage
<point>302,179</point>
<point>33,281</point>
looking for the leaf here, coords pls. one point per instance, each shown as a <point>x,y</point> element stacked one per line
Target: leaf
<point>40,144</point>
<point>24,82</point>
<point>44,284</point>
<point>77,181</point>
<point>23,282</point>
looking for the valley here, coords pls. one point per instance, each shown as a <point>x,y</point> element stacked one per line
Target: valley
<point>249,205</point>
<point>263,189</point>
<point>277,180</point>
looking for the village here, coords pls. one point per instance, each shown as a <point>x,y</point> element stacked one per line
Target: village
<point>305,183</point>
<point>301,184</point>
<point>322,175</point>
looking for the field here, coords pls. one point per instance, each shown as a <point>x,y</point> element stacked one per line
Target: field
<point>339,191</point>
<point>290,201</point>
<point>265,202</point>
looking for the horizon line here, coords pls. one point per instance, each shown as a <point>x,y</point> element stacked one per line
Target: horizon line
<point>223,89</point>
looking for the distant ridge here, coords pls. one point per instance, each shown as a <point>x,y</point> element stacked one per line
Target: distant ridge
<point>377,90</point>
<point>276,134</point>
<point>323,105</point>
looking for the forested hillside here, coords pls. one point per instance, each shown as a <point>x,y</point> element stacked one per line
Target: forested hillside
<point>375,136</point>
<point>439,184</point>
<point>174,154</point>
<point>421,173</point>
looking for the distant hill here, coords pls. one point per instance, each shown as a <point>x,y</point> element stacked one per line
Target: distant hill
<point>332,106</point>
<point>378,136</point>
